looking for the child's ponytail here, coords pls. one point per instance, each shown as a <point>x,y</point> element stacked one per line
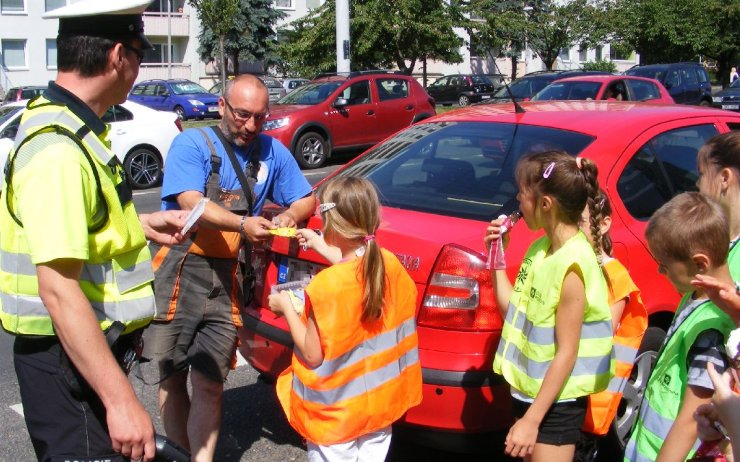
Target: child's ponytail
<point>595,204</point>
<point>373,270</point>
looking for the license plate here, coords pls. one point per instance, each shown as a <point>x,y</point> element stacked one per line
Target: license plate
<point>213,109</point>
<point>485,97</point>
<point>292,269</point>
<point>731,107</point>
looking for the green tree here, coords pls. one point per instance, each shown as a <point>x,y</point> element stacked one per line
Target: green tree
<point>382,34</point>
<point>220,17</point>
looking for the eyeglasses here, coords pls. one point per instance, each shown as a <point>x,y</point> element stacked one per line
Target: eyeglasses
<point>241,117</point>
<point>137,51</point>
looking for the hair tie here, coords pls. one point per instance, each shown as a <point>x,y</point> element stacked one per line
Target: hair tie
<point>548,171</point>
<point>578,163</point>
<point>369,238</point>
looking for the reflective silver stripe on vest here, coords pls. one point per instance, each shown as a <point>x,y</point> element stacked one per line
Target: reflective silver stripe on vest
<point>96,273</point>
<point>536,369</point>
<point>379,343</point>
<point>631,454</point>
<point>546,335</point>
<point>359,385</point>
<point>654,423</point>
<point>617,384</point>
<point>42,119</point>
<point>624,353</point>
<point>122,310</point>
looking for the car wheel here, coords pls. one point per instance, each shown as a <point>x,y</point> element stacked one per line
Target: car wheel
<point>180,112</point>
<point>143,168</point>
<point>311,150</point>
<point>704,103</point>
<point>463,100</point>
<point>632,396</point>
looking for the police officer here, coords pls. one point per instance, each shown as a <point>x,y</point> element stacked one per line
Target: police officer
<point>75,272</point>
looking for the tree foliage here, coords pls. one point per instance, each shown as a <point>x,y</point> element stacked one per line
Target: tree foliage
<point>382,34</point>
<point>247,27</point>
<point>219,17</point>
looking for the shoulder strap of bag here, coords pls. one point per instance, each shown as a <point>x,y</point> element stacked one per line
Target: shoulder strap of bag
<point>237,168</point>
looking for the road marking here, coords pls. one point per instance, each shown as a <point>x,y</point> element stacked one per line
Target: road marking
<point>18,408</point>
<point>240,361</point>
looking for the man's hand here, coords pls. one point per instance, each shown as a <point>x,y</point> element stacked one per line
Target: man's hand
<point>164,227</point>
<point>284,220</point>
<point>131,430</point>
<point>256,229</point>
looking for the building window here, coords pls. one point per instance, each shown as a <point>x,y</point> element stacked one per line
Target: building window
<point>54,4</point>
<point>12,6</point>
<point>14,54</point>
<point>284,4</point>
<point>158,54</point>
<point>620,52</point>
<point>564,54</point>
<point>160,6</point>
<point>51,53</point>
<point>583,54</point>
<point>598,53</point>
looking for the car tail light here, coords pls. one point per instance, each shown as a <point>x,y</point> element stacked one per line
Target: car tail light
<point>459,293</point>
<point>178,124</point>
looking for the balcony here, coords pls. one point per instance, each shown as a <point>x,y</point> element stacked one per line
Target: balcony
<point>157,24</point>
<point>159,71</point>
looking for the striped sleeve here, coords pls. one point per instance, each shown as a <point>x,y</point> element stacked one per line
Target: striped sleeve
<point>707,348</point>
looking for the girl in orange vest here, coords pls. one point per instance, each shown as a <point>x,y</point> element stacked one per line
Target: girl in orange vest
<point>355,367</point>
<point>629,318</point>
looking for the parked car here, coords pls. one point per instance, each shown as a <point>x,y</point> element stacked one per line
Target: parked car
<point>140,137</point>
<point>688,83</point>
<point>527,86</point>
<point>185,98</point>
<point>274,88</point>
<point>441,181</point>
<point>461,89</point>
<point>605,87</point>
<point>339,112</point>
<point>21,93</point>
<point>729,98</point>
<point>291,84</point>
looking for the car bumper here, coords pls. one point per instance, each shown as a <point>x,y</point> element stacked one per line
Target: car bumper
<point>204,111</point>
<point>455,403</point>
<point>728,105</point>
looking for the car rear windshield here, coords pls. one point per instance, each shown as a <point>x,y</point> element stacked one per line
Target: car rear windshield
<point>458,169</point>
<point>310,93</point>
<point>6,112</point>
<point>481,79</point>
<point>187,88</point>
<point>569,91</point>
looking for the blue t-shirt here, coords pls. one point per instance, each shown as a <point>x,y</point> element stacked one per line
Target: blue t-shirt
<point>188,166</point>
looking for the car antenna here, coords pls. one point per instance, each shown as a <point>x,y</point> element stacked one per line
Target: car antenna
<point>517,107</point>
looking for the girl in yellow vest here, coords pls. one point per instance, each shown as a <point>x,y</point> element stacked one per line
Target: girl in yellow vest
<point>556,342</point>
<point>629,319</point>
<point>355,367</point>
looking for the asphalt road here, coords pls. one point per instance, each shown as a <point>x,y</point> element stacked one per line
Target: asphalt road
<point>254,427</point>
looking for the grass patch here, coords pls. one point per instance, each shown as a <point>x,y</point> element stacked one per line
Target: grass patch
<point>199,123</point>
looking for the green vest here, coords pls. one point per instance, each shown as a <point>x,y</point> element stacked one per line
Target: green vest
<point>733,260</point>
<point>527,343</point>
<point>117,277</point>
<point>665,389</point>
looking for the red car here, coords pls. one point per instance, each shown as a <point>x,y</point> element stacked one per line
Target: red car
<point>441,181</point>
<point>352,111</point>
<point>605,87</point>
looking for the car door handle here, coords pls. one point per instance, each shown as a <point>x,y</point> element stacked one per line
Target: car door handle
<point>409,107</point>
<point>370,112</point>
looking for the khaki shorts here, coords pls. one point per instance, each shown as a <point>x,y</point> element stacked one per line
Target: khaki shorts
<point>202,334</point>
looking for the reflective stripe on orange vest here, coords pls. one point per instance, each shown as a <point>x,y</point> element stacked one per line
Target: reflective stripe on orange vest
<point>371,373</point>
<point>602,407</point>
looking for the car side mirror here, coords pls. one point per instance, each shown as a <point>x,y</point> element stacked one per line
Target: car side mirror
<point>9,132</point>
<point>341,102</point>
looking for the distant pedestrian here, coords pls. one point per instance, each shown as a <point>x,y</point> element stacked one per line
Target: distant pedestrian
<point>733,75</point>
<point>355,367</point>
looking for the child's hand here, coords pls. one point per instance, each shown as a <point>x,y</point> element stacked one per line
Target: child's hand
<point>726,401</point>
<point>494,231</point>
<point>279,303</point>
<point>308,238</point>
<point>522,437</point>
<point>705,416</point>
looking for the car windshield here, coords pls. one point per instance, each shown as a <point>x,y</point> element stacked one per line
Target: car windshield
<point>458,169</point>
<point>651,73</point>
<point>187,88</point>
<point>481,79</point>
<point>310,93</point>
<point>568,91</point>
<point>7,112</point>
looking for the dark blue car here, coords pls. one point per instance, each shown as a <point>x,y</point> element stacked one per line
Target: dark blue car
<point>185,98</point>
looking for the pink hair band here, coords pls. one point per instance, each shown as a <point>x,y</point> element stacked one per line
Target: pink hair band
<point>369,237</point>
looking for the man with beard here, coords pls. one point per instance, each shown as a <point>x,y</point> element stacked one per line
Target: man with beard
<point>201,285</point>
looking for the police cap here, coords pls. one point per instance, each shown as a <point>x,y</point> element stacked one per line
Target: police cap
<point>110,19</point>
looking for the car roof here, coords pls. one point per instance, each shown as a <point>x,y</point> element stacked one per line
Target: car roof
<point>603,78</point>
<point>588,117</point>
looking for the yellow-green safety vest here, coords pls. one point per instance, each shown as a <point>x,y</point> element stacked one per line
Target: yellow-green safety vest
<point>663,396</point>
<point>527,345</point>
<point>117,277</point>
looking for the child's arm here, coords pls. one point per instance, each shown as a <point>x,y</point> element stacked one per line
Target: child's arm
<point>568,322</point>
<point>683,433</point>
<point>501,284</point>
<point>305,337</point>
<point>312,240</point>
<point>617,309</point>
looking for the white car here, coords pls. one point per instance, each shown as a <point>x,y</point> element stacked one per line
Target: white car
<point>139,136</point>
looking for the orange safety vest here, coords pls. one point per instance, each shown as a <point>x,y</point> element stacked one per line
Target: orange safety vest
<point>371,373</point>
<point>602,407</point>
